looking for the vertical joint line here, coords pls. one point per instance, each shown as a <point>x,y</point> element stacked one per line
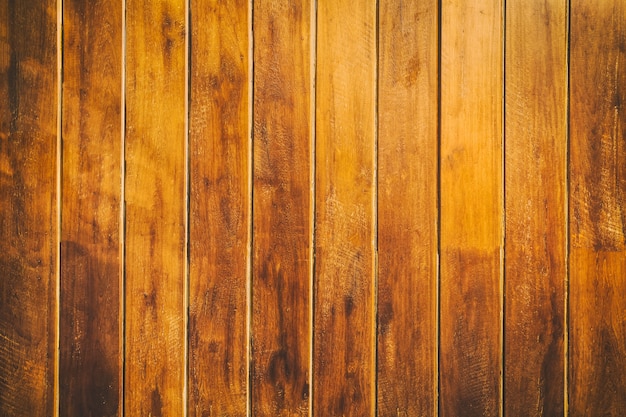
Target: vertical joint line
<point>312,199</point>
<point>122,225</point>
<point>250,134</point>
<point>187,193</point>
<point>568,14</point>
<point>375,212</point>
<point>437,365</point>
<point>59,171</point>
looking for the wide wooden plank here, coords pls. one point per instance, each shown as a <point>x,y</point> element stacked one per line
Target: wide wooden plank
<point>344,313</point>
<point>91,343</point>
<point>535,184</point>
<point>219,208</point>
<point>407,208</point>
<point>155,208</point>
<point>471,208</point>
<point>282,224</point>
<point>597,209</point>
<point>28,206</point>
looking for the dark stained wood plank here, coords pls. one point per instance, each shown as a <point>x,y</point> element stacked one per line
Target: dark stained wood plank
<point>155,208</point>
<point>407,208</point>
<point>282,224</point>
<point>471,208</point>
<point>91,343</point>
<point>219,208</point>
<point>28,206</point>
<point>597,209</point>
<point>535,184</point>
<point>344,313</point>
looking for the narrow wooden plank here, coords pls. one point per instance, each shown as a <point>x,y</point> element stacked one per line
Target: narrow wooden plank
<point>344,321</point>
<point>91,187</point>
<point>597,214</point>
<point>219,208</point>
<point>282,187</point>
<point>155,208</point>
<point>471,207</point>
<point>28,206</point>
<point>535,184</point>
<point>407,208</point>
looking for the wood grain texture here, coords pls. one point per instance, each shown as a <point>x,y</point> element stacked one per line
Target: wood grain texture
<point>597,209</point>
<point>535,184</point>
<point>91,187</point>
<point>219,208</point>
<point>155,208</point>
<point>344,289</point>
<point>407,208</point>
<point>28,206</point>
<point>471,207</point>
<point>282,223</point>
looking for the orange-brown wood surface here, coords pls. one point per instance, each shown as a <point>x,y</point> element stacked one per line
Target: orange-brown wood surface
<point>155,208</point>
<point>282,222</point>
<point>407,208</point>
<point>471,208</point>
<point>597,210</point>
<point>344,317</point>
<point>90,347</point>
<point>535,185</point>
<point>219,208</point>
<point>28,207</point>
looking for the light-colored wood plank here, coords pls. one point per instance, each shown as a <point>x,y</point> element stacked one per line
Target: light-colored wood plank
<point>282,209</point>
<point>535,184</point>
<point>471,208</point>
<point>344,322</point>
<point>91,187</point>
<point>28,206</point>
<point>407,208</point>
<point>597,209</point>
<point>219,208</point>
<point>155,208</point>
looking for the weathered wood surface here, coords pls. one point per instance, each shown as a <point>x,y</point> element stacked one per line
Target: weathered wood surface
<point>282,223</point>
<point>155,208</point>
<point>407,208</point>
<point>90,310</point>
<point>219,208</point>
<point>597,210</point>
<point>535,184</point>
<point>28,207</point>
<point>344,316</point>
<point>471,208</point>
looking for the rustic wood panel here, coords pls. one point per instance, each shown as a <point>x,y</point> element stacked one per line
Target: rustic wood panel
<point>344,316</point>
<point>219,208</point>
<point>155,208</point>
<point>535,184</point>
<point>471,208</point>
<point>407,208</point>
<point>282,209</point>
<point>28,206</point>
<point>91,343</point>
<point>597,209</point>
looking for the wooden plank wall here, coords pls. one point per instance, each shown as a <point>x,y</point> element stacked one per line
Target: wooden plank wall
<point>315,208</point>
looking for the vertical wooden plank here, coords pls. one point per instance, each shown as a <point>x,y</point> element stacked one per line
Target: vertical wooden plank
<point>344,290</point>
<point>282,209</point>
<point>28,206</point>
<point>597,211</point>
<point>535,184</point>
<point>471,207</point>
<point>407,208</point>
<point>155,208</point>
<point>91,186</point>
<point>219,208</point>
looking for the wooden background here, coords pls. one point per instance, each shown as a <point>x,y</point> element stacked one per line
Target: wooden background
<point>297,208</point>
